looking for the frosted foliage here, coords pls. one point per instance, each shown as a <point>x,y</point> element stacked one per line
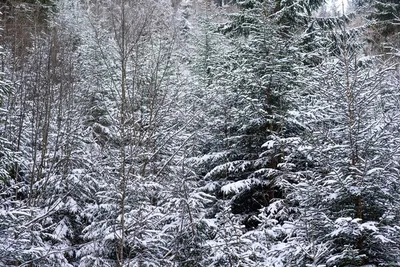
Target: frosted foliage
<point>196,133</point>
<point>350,109</point>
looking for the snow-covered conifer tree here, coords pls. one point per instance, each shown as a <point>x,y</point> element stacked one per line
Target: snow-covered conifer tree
<point>349,199</point>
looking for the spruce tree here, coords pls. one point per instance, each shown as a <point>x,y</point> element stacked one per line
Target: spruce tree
<point>253,164</point>
<point>387,14</point>
<point>348,201</point>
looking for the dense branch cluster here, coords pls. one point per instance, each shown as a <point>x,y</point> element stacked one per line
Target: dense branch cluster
<point>199,133</point>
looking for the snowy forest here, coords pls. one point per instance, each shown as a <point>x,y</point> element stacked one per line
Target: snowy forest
<point>191,133</point>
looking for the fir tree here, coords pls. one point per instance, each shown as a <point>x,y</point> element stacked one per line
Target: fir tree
<point>349,199</point>
<point>387,14</point>
<point>250,167</point>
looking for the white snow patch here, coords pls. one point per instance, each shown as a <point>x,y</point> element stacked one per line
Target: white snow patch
<point>236,187</point>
